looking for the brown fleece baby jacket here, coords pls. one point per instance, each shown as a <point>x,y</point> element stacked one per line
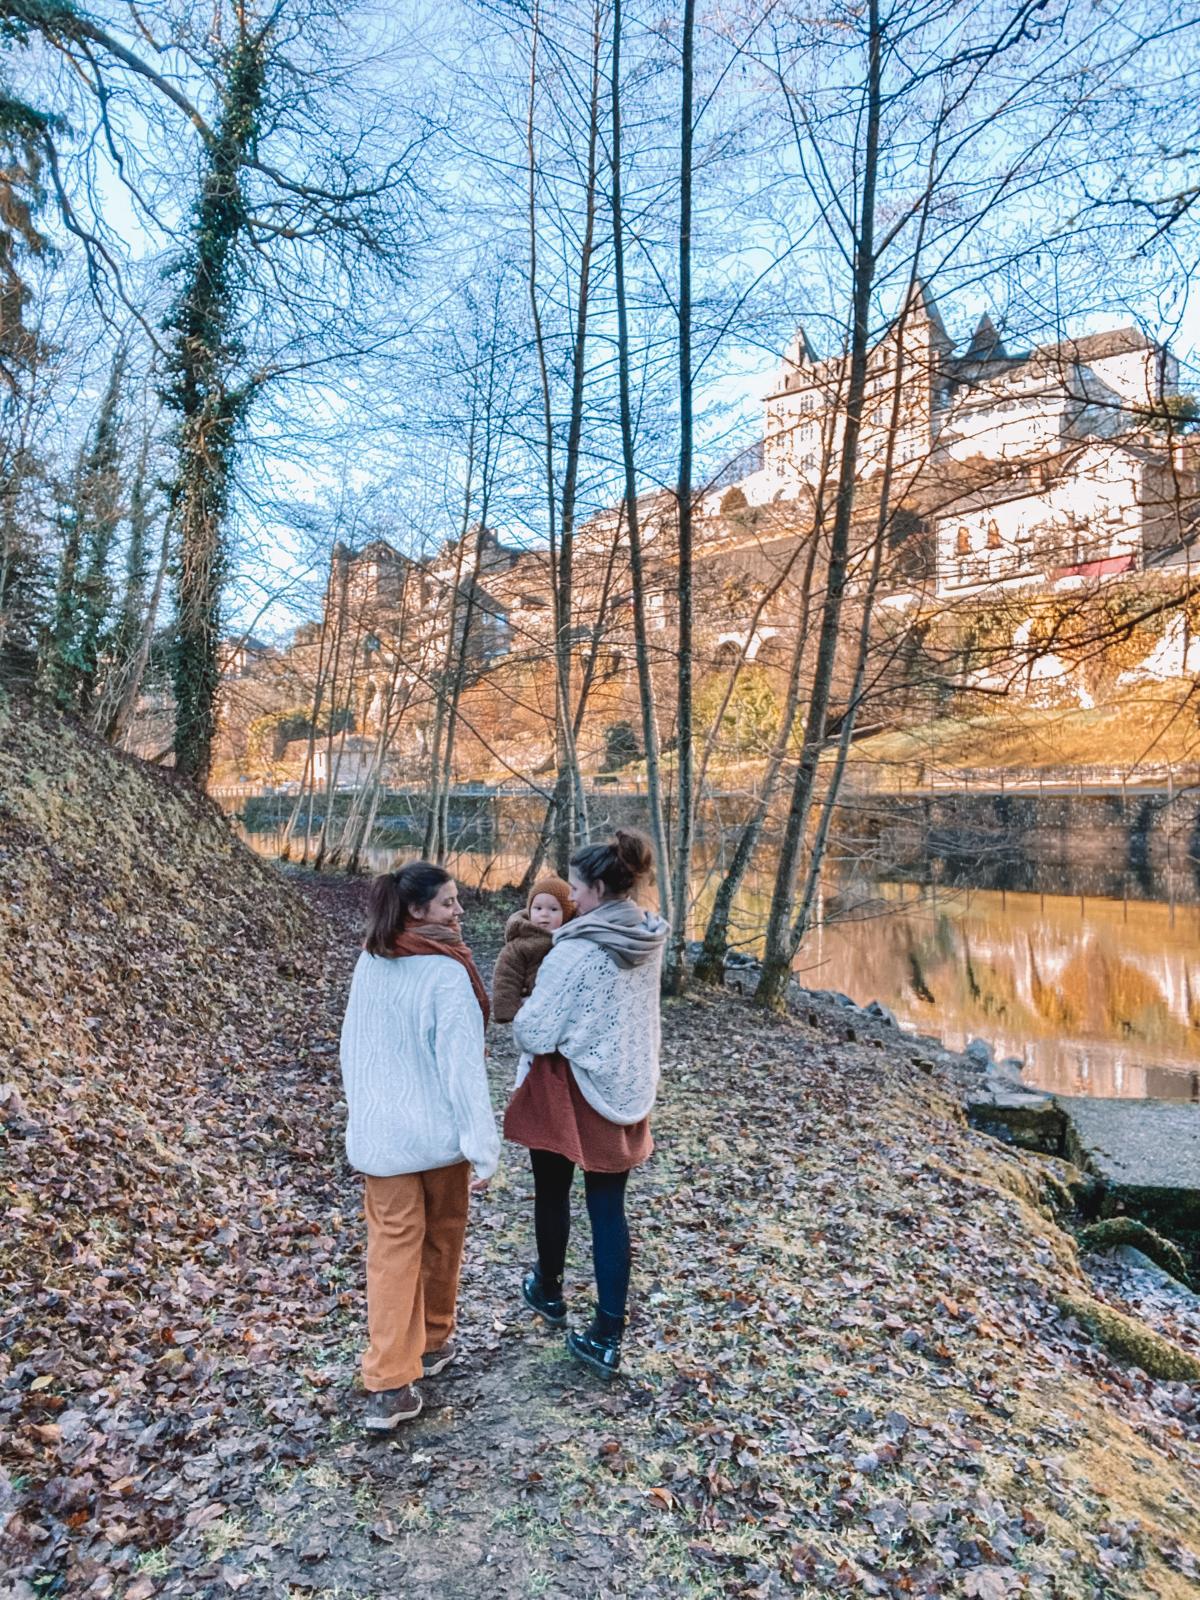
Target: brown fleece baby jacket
<point>525,948</point>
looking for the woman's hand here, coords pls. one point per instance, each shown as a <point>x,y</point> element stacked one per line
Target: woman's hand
<point>479,1185</point>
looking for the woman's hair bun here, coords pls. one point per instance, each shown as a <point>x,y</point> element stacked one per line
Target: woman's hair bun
<point>619,865</point>
<point>633,850</point>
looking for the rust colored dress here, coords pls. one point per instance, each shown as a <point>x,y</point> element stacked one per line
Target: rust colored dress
<point>548,1112</point>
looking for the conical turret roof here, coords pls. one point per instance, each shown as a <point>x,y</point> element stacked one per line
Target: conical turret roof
<point>986,343</point>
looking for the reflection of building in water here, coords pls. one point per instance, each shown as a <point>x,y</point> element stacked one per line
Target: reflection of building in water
<point>1098,997</point>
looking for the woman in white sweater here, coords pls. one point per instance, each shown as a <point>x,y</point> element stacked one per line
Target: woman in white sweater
<point>592,1027</point>
<point>420,1119</point>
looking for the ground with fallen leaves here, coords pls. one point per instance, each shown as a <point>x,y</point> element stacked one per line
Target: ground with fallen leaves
<point>846,1372</point>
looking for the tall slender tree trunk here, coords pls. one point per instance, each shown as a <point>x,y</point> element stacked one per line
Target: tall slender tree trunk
<point>201,390</point>
<point>820,842</point>
<point>122,716</point>
<point>103,516</point>
<point>570,802</point>
<point>127,632</point>
<point>681,886</point>
<point>637,571</point>
<point>568,782</point>
<point>58,668</point>
<point>710,968</point>
<point>333,589</point>
<point>779,954</point>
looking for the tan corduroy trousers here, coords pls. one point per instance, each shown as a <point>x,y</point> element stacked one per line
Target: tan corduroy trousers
<point>416,1224</point>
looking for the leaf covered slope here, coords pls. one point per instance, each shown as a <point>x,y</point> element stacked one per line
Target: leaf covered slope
<point>158,1009</point>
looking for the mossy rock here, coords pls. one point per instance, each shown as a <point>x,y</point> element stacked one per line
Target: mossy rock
<point>1114,1231</point>
<point>1131,1341</point>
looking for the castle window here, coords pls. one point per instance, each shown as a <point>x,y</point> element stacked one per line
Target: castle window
<point>962,544</point>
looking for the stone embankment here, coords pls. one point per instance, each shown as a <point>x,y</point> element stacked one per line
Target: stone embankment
<point>1100,843</point>
<point>1128,1158</point>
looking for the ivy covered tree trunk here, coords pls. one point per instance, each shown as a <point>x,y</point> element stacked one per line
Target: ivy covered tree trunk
<point>88,522</point>
<point>102,514</point>
<point>25,582</point>
<point>202,391</point>
<point>127,628</point>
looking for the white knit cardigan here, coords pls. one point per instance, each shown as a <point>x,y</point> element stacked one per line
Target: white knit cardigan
<point>413,1069</point>
<point>604,1019</point>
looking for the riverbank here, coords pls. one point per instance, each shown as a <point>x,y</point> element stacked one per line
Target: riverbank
<point>855,1363</point>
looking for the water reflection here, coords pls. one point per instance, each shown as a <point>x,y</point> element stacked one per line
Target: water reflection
<point>1098,996</point>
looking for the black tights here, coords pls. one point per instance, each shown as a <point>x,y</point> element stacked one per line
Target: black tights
<point>552,1178</point>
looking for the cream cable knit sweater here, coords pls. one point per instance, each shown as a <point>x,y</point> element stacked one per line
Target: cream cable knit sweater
<point>604,1019</point>
<point>413,1069</point>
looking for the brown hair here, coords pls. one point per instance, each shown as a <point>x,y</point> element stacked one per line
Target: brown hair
<point>393,895</point>
<point>620,865</point>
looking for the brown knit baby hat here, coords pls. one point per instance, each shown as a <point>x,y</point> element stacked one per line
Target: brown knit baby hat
<point>560,890</point>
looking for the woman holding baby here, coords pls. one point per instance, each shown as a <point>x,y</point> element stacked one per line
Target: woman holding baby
<point>591,1031</point>
<point>581,970</point>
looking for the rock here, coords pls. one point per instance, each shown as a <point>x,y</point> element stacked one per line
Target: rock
<point>1133,1257</point>
<point>740,958</point>
<point>881,1014</point>
<point>1130,1340</point>
<point>1147,1154</point>
<point>837,998</point>
<point>1002,1079</point>
<point>1126,1231</point>
<point>1033,1121</point>
<point>980,1053</point>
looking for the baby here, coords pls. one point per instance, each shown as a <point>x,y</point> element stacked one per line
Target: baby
<point>527,943</point>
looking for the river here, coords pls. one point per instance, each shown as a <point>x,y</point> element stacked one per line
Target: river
<point>1097,995</point>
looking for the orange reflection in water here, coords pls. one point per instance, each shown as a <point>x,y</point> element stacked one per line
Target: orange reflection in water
<point>1097,996</point>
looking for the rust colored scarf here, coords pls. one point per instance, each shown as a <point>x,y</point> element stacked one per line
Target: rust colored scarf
<point>443,941</point>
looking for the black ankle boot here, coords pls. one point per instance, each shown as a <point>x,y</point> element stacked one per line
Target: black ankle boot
<point>600,1346</point>
<point>544,1295</point>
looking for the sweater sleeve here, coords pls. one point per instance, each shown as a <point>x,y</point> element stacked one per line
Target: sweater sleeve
<point>543,1020</point>
<point>458,1048</point>
<point>508,982</point>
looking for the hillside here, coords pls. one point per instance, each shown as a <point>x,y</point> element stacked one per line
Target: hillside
<point>852,1367</point>
<point>1148,725</point>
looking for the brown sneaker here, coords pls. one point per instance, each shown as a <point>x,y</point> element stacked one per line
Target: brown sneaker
<point>386,1408</point>
<point>435,1361</point>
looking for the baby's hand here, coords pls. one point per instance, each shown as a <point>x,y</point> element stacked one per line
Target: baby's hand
<point>479,1185</point>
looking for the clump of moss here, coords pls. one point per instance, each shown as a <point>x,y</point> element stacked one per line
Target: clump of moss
<point>1131,1341</point>
<point>1114,1231</point>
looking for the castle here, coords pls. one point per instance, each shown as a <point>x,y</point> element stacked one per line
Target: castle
<point>1028,467</point>
<point>1007,469</point>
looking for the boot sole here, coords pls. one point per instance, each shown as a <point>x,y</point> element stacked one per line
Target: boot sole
<point>553,1322</point>
<point>439,1366</point>
<point>389,1424</point>
<point>598,1367</point>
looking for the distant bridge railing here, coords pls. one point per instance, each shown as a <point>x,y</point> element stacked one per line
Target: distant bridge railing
<point>916,778</point>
